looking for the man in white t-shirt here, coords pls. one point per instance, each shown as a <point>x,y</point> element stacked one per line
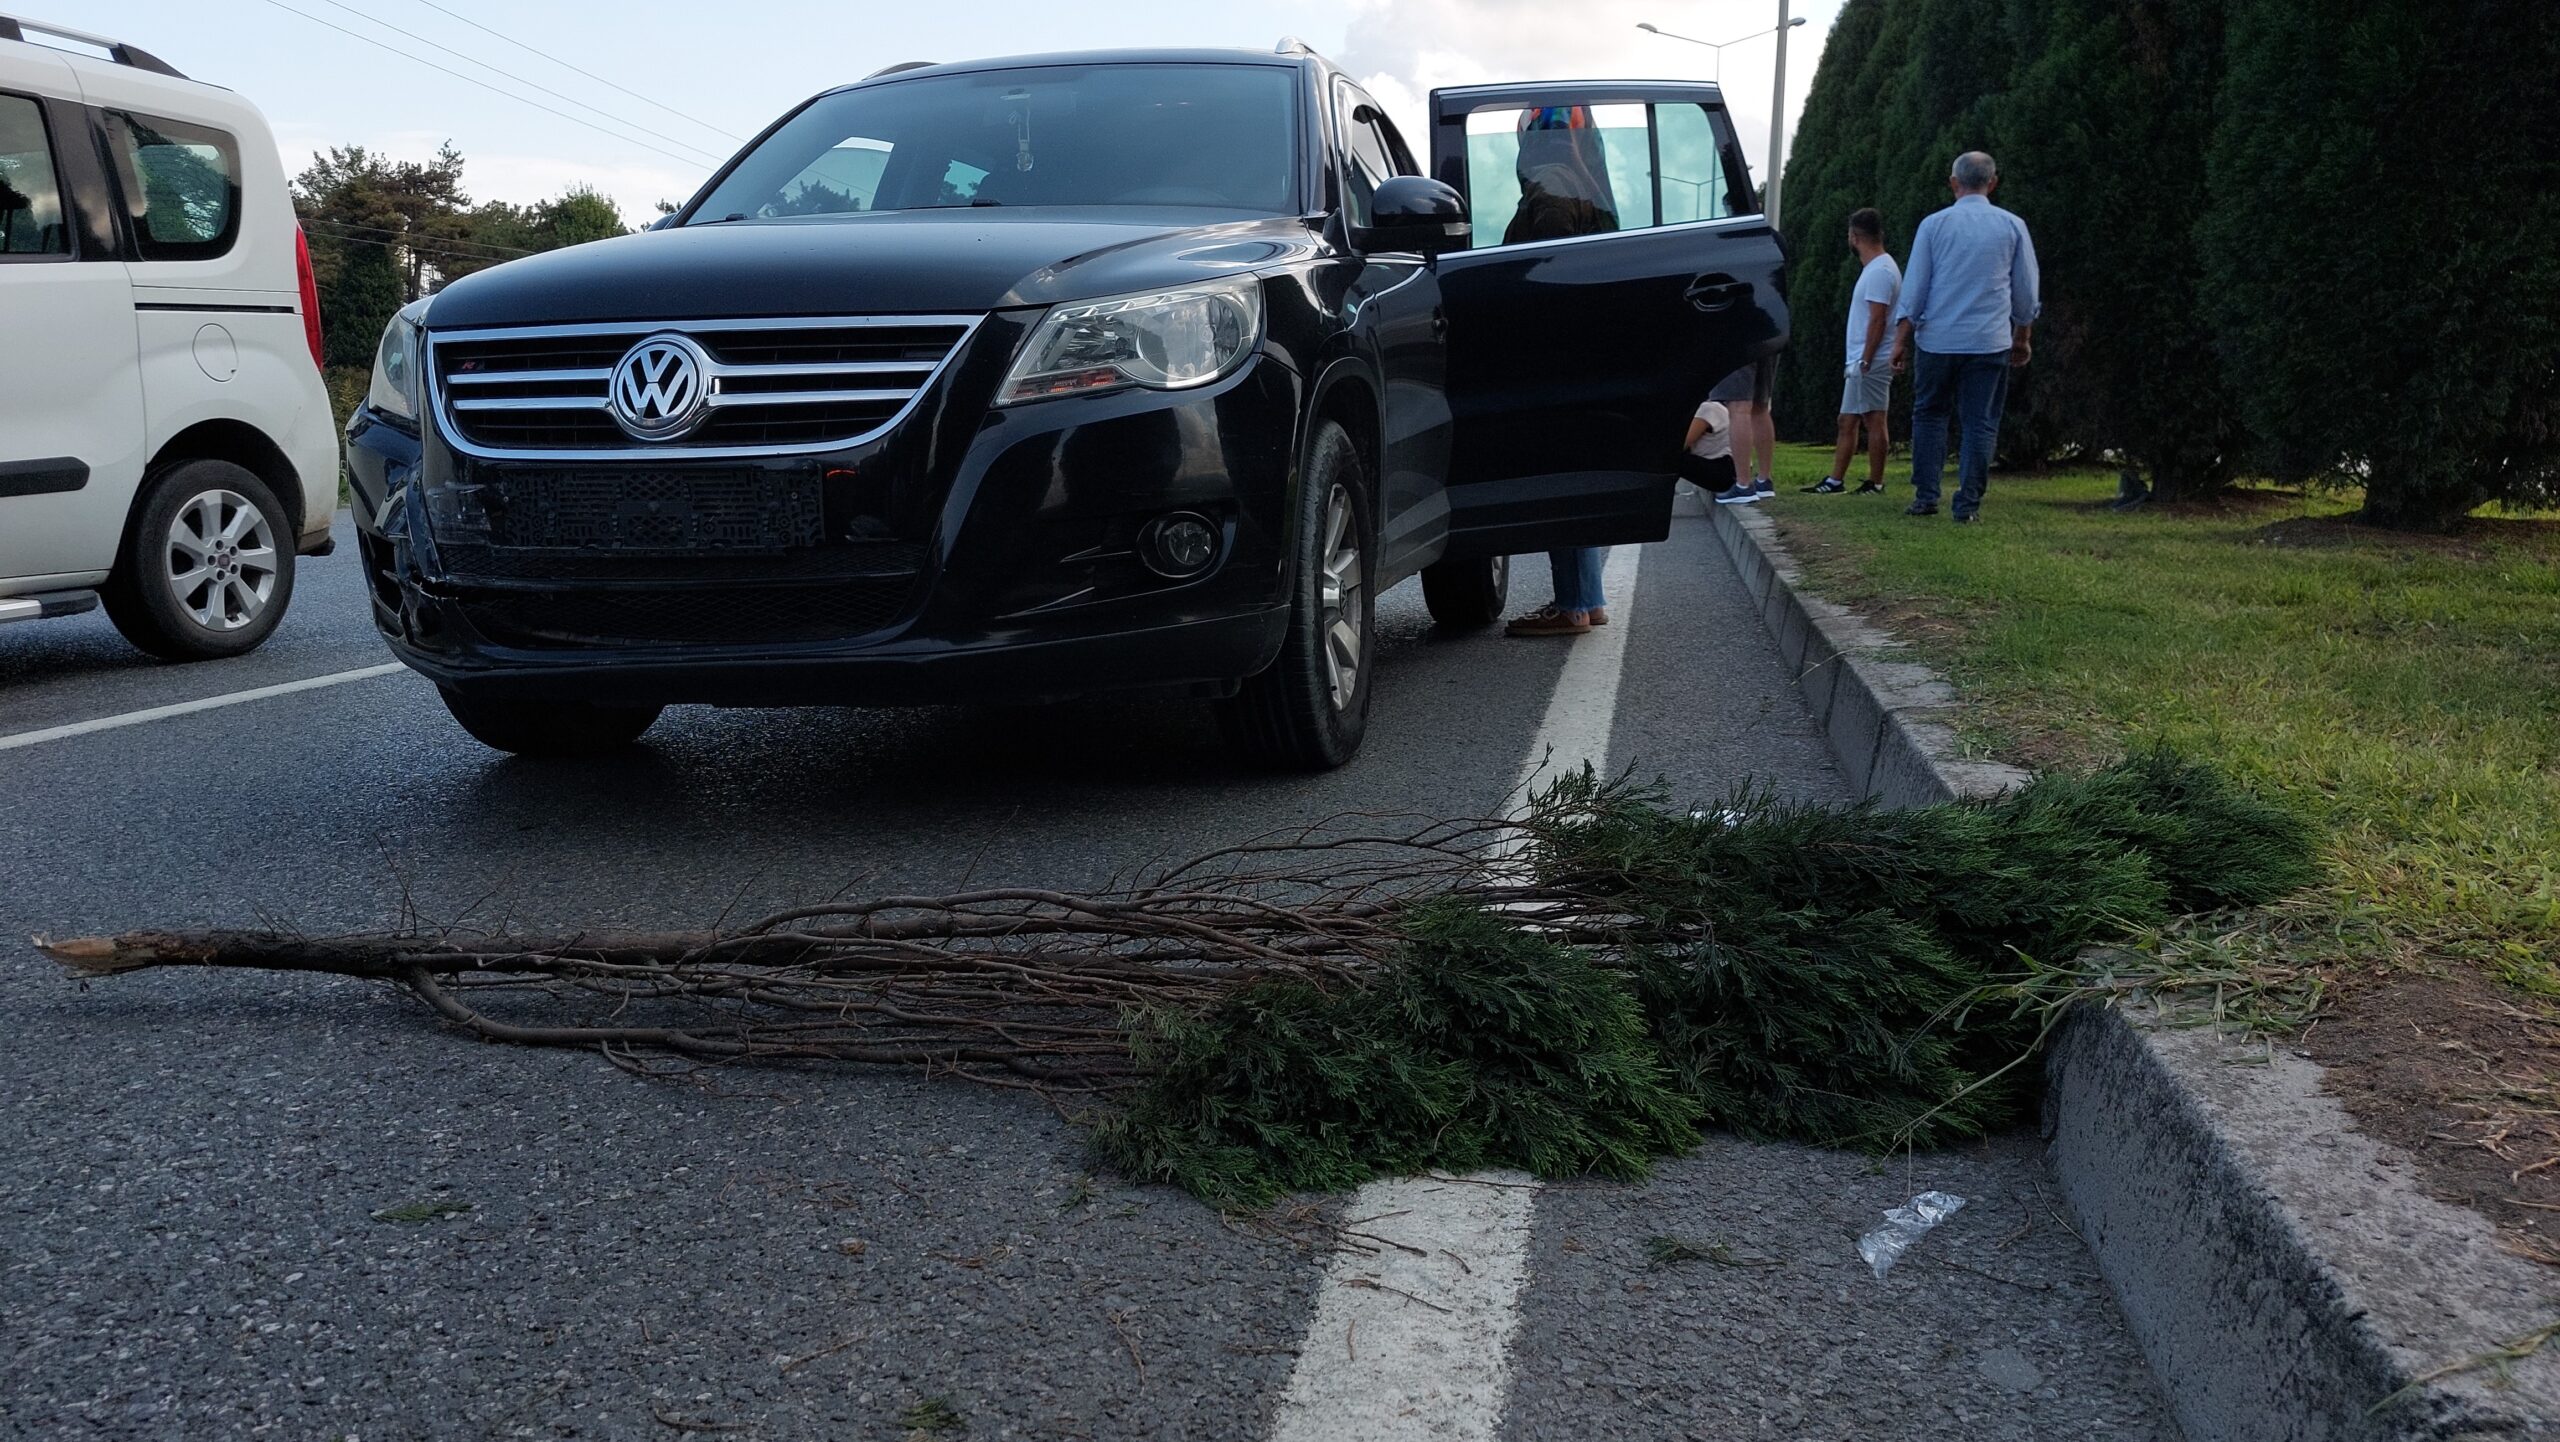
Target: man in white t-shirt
<point>1866,388</point>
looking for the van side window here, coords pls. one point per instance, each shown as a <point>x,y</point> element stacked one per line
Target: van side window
<point>181,184</point>
<point>30,198</point>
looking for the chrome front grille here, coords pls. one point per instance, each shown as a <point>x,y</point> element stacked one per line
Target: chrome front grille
<point>776,386</point>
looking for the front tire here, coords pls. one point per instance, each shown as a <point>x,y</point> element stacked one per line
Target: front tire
<point>206,569</point>
<point>1309,708</point>
<point>548,728</point>
<point>1469,594</point>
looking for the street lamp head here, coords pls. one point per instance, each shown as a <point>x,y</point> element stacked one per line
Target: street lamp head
<point>1799,20</point>
<point>1646,25</point>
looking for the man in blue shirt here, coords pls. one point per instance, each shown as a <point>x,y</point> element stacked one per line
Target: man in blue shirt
<point>1969,301</point>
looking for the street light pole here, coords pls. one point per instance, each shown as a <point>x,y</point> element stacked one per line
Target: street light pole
<point>1778,115</point>
<point>1778,99</point>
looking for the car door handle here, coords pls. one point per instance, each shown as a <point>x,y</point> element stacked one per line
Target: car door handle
<point>1717,292</point>
<point>1439,322</point>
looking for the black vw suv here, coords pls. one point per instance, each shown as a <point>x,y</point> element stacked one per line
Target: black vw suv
<point>1026,378</point>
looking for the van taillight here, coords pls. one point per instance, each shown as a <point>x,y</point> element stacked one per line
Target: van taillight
<point>310,293</point>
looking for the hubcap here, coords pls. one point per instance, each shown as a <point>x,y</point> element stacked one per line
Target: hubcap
<point>221,560</point>
<point>1344,606</point>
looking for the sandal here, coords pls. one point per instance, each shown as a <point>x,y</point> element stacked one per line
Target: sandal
<point>1548,621</point>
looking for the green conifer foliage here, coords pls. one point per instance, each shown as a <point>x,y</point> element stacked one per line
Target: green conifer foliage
<point>2380,258</point>
<point>1845,977</point>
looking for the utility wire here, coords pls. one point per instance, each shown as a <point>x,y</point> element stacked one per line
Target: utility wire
<point>376,235</point>
<point>521,80</point>
<point>483,84</point>
<point>427,250</point>
<point>591,75</point>
<point>442,257</point>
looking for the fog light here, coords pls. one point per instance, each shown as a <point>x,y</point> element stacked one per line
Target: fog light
<point>1178,545</point>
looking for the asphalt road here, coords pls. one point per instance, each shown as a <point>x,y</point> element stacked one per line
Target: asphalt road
<point>190,1163</point>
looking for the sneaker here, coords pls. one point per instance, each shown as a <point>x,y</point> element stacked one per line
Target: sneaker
<point>1827,486</point>
<point>1868,488</point>
<point>1920,508</point>
<point>1736,494</point>
<point>1548,621</point>
<point>1764,487</point>
<point>1967,518</point>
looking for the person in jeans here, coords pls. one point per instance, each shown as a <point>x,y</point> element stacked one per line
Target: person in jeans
<point>1564,190</point>
<point>1969,303</point>
<point>1866,388</point>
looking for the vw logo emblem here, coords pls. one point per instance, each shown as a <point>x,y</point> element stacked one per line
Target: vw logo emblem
<point>661,387</point>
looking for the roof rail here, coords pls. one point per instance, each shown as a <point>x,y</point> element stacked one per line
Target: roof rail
<point>901,65</point>
<point>13,28</point>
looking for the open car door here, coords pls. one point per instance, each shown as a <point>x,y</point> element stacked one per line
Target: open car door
<point>1619,268</point>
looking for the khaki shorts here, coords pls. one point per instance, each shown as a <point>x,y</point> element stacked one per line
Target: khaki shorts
<point>1863,394</point>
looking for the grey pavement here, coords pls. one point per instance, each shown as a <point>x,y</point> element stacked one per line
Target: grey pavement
<point>190,1164</point>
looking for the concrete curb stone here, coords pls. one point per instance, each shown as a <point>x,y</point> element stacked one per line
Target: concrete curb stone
<point>2282,1272</point>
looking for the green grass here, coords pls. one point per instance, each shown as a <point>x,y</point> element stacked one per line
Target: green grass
<point>2406,691</point>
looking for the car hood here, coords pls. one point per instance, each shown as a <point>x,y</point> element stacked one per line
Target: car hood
<point>912,262</point>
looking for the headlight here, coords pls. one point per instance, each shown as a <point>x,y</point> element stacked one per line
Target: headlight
<point>1165,340</point>
<point>394,391</point>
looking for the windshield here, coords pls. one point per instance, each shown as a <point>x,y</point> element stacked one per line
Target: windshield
<point>1196,135</point>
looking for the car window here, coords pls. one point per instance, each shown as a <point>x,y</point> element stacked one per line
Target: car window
<point>30,198</point>
<point>1546,172</point>
<point>1695,183</point>
<point>181,183</point>
<point>1204,135</point>
<point>1367,161</point>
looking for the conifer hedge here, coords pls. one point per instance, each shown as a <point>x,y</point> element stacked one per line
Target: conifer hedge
<point>2305,238</point>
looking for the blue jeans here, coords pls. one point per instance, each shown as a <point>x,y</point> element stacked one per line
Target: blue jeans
<point>1977,389</point>
<point>1577,574</point>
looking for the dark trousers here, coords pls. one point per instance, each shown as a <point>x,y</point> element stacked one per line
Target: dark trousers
<point>1972,390</point>
<point>1707,475</point>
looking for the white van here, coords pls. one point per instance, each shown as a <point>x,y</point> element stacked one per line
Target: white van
<point>166,445</point>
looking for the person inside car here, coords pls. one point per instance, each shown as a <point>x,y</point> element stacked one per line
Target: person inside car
<point>1564,191</point>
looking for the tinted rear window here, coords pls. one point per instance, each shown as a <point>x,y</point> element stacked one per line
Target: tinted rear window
<point>1191,135</point>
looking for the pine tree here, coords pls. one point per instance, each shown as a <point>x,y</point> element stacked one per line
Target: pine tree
<point>2380,260</point>
<point>358,301</point>
<point>2103,139</point>
<point>1826,179</point>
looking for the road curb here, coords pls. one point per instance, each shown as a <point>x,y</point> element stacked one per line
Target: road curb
<point>2282,1272</point>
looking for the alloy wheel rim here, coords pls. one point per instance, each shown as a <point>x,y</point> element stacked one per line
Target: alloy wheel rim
<point>221,560</point>
<point>1344,604</point>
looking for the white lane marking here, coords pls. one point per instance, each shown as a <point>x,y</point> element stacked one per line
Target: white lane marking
<point>1412,1340</point>
<point>184,708</point>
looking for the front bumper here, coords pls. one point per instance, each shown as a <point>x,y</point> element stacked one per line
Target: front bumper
<point>975,554</point>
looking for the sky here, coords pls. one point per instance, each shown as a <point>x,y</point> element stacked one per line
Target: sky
<point>713,75</point>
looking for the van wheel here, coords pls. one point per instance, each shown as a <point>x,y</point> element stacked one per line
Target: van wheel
<point>206,569</point>
<point>1469,594</point>
<point>1308,709</point>
<point>548,728</point>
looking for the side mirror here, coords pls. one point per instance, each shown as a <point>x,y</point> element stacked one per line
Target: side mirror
<point>1416,213</point>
